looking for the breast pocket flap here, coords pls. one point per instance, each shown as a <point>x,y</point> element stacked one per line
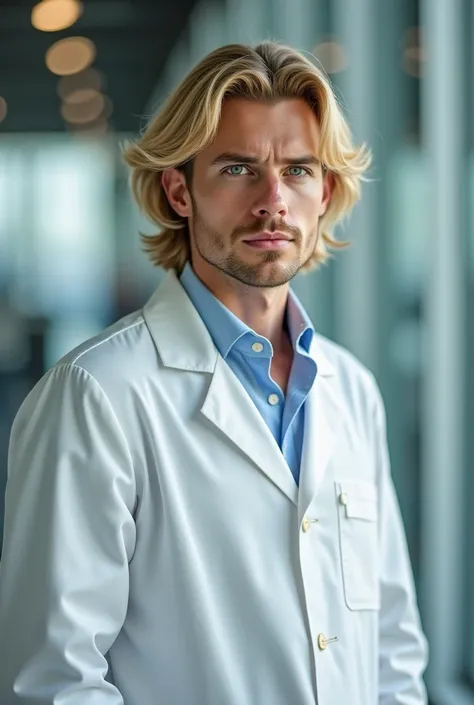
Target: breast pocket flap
<point>358,509</point>
<point>359,499</point>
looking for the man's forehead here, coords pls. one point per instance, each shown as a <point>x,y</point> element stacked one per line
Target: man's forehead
<point>252,127</point>
<point>241,110</point>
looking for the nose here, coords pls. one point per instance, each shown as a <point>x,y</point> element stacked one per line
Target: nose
<point>270,201</point>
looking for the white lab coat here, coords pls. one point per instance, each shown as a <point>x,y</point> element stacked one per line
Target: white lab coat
<point>153,523</point>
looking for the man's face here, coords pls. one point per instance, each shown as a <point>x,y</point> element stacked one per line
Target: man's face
<point>257,193</point>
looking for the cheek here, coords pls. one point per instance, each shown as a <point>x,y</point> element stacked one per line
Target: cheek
<point>306,211</point>
<point>214,198</point>
<point>228,208</point>
<point>213,215</point>
<point>306,198</point>
<point>232,196</point>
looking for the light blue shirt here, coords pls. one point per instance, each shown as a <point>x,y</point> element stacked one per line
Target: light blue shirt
<point>249,356</point>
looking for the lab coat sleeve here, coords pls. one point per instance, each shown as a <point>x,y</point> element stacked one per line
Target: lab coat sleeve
<point>403,647</point>
<point>69,535</point>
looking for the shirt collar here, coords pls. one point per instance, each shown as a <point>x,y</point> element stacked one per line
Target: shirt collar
<point>226,329</point>
<point>299,324</point>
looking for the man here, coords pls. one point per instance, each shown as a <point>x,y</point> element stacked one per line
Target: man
<point>199,508</point>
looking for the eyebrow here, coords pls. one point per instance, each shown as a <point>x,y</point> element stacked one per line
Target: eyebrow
<point>227,157</point>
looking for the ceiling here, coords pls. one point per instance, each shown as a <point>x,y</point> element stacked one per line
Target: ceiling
<point>133,39</point>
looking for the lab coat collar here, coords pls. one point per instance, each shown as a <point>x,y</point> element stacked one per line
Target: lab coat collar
<point>179,333</point>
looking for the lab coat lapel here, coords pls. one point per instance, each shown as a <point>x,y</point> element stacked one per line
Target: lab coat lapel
<point>230,409</point>
<point>183,342</point>
<point>322,420</point>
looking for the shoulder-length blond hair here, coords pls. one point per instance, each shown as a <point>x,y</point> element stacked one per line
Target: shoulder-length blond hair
<point>189,121</point>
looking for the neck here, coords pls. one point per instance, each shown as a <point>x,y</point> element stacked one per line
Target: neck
<point>262,309</point>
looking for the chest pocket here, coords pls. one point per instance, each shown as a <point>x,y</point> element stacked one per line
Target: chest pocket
<point>358,524</point>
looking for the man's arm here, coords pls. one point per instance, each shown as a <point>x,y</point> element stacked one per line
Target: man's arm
<point>403,647</point>
<point>69,535</point>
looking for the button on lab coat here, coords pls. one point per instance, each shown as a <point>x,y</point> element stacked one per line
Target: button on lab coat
<point>157,550</point>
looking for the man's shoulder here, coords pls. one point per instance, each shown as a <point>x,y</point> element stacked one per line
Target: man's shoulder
<point>343,361</point>
<point>116,351</point>
<point>355,381</point>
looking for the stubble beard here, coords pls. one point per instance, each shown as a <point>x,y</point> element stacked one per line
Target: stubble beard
<point>211,247</point>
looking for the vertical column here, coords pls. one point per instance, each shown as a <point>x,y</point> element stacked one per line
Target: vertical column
<point>356,283</point>
<point>401,254</point>
<point>207,29</point>
<point>469,319</point>
<point>442,568</point>
<point>296,23</point>
<point>247,21</point>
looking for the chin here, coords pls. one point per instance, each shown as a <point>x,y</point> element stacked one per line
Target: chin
<point>269,273</point>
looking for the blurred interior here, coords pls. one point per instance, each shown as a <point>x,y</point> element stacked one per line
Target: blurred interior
<point>399,298</point>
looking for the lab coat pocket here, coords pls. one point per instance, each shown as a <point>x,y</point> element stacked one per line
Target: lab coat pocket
<point>358,521</point>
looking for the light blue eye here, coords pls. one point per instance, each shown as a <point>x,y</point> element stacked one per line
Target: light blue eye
<point>298,169</point>
<point>236,170</point>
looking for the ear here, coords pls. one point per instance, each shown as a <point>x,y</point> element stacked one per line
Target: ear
<point>328,188</point>
<point>177,193</point>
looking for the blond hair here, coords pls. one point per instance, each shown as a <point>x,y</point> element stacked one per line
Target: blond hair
<point>189,121</point>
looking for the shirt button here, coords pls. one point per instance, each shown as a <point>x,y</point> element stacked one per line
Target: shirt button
<point>306,524</point>
<point>257,347</point>
<point>343,498</point>
<point>273,399</point>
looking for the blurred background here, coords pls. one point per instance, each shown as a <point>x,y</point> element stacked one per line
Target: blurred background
<point>77,79</point>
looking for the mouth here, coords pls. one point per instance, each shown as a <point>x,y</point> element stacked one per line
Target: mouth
<point>269,241</point>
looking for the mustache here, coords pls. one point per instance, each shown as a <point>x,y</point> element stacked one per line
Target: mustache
<point>270,225</point>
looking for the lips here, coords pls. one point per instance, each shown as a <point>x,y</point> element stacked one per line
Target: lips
<point>268,236</point>
<point>275,241</point>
